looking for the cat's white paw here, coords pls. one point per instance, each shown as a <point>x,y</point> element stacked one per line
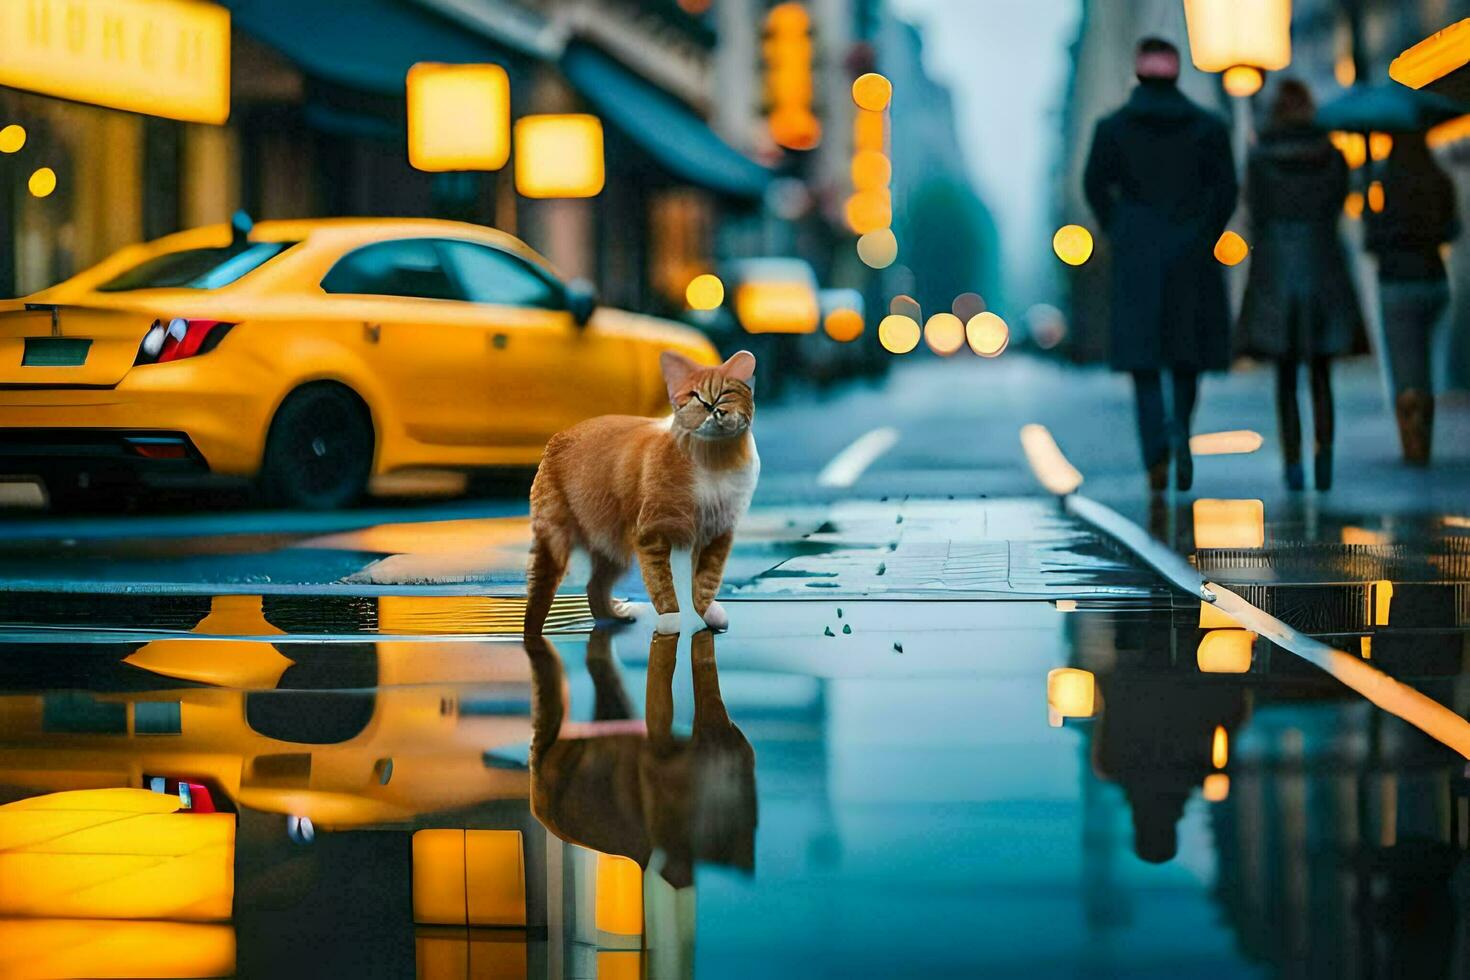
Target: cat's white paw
<point>715,617</point>
<point>667,623</point>
<point>624,610</point>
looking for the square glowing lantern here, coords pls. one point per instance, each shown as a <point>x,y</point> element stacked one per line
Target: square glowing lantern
<point>458,117</point>
<point>1225,651</point>
<point>1229,524</point>
<point>1070,693</point>
<point>559,156</point>
<point>1227,33</point>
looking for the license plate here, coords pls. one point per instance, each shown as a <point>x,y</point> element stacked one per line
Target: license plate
<point>55,352</point>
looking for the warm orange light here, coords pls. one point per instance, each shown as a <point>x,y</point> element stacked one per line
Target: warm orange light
<point>1434,57</point>
<point>1345,70</point>
<point>1226,33</point>
<point>1073,244</point>
<point>705,292</point>
<point>1071,692</point>
<point>469,877</point>
<point>843,325</point>
<point>1225,651</point>
<point>898,334</point>
<point>1212,617</point>
<point>788,18</point>
<point>1444,134</point>
<point>872,92</point>
<point>1231,249</point>
<point>1054,471</point>
<point>1243,81</point>
<point>870,170</point>
<point>1352,146</point>
<point>777,307</point>
<point>869,211</point>
<point>42,182</point>
<point>458,117</point>
<point>12,138</point>
<point>1380,145</point>
<point>796,128</point>
<point>1229,523</point>
<point>1220,747</point>
<point>987,334</point>
<point>1352,205</point>
<point>1225,443</point>
<point>789,78</point>
<point>37,948</point>
<point>878,249</point>
<point>944,333</point>
<point>1216,788</point>
<point>619,896</point>
<point>1376,198</point>
<point>559,156</point>
<point>1382,592</point>
<point>868,131</point>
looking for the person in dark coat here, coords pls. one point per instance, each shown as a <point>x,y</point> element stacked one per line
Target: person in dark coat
<point>1300,304</point>
<point>1161,180</point>
<point>1418,216</point>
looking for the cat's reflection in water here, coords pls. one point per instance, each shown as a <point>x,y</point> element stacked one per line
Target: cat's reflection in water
<point>623,786</point>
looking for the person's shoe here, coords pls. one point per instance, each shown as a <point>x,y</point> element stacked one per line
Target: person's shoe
<point>1183,465</point>
<point>1415,410</point>
<point>1296,478</point>
<point>1158,476</point>
<point>1322,466</point>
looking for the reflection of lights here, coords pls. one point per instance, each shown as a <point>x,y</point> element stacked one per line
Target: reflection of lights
<point>1352,205</point>
<point>843,325</point>
<point>867,131</point>
<point>705,292</point>
<point>1243,80</point>
<point>1380,145</point>
<point>869,211</point>
<point>12,138</point>
<point>905,305</point>
<point>1376,197</point>
<point>1073,244</point>
<point>1217,787</point>
<point>115,948</point>
<point>988,334</point>
<point>1070,693</point>
<point>1231,249</point>
<point>1229,523</point>
<point>1382,592</point>
<point>1225,443</point>
<point>1352,146</point>
<point>1364,536</point>
<point>458,117</point>
<point>1226,33</point>
<point>1345,70</point>
<point>898,334</point>
<point>789,83</point>
<point>967,306</point>
<point>878,249</point>
<point>1225,651</point>
<point>618,906</point>
<point>777,307</point>
<point>42,182</point>
<point>1448,132</point>
<point>300,830</point>
<point>1220,747</point>
<point>871,170</point>
<point>559,156</point>
<point>1052,469</point>
<point>796,128</point>
<point>872,92</point>
<point>944,333</point>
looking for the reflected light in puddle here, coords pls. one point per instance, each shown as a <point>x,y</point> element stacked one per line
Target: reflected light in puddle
<point>1225,651</point>
<point>1225,443</point>
<point>1217,787</point>
<point>1220,748</point>
<point>1363,536</point>
<point>1229,523</point>
<point>1051,468</point>
<point>115,948</point>
<point>1070,693</point>
<point>418,483</point>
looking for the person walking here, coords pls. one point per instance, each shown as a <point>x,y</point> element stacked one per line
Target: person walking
<point>1418,216</point>
<point>1300,305</point>
<point>1161,180</point>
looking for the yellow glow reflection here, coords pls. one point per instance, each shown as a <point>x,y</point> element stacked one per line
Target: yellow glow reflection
<point>1220,747</point>
<point>469,877</point>
<point>1243,80</point>
<point>1344,70</point>
<point>1380,145</point>
<point>1382,592</point>
<point>987,334</point>
<point>796,128</point>
<point>1352,146</point>
<point>944,333</point>
<point>1434,57</point>
<point>1225,443</point>
<point>1217,787</point>
<point>1225,651</point>
<point>42,182</point>
<point>705,292</point>
<point>1051,468</point>
<point>1376,197</point>
<point>1071,692</point>
<point>1226,33</point>
<point>458,117</point>
<point>619,906</point>
<point>1073,244</point>
<point>32,949</point>
<point>878,249</point>
<point>12,138</point>
<point>1448,132</point>
<point>777,307</point>
<point>871,170</point>
<point>872,92</point>
<point>869,211</point>
<point>1231,249</point>
<point>898,334</point>
<point>844,325</point>
<point>1352,205</point>
<point>559,156</point>
<point>1212,617</point>
<point>868,131</point>
<point>1229,523</point>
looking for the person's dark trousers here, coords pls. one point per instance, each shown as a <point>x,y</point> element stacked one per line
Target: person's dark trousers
<point>1288,417</point>
<point>1158,428</point>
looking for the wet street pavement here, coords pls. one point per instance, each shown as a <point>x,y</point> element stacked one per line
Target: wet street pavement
<point>946,735</point>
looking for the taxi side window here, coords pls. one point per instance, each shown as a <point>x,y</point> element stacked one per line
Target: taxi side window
<point>488,275</point>
<point>408,267</point>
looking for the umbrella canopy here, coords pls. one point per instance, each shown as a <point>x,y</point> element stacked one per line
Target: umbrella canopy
<point>1387,108</point>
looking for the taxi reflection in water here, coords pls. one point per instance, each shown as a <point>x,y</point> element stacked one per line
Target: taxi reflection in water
<point>308,356</point>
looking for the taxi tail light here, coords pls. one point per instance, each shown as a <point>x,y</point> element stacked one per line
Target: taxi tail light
<point>194,797</point>
<point>180,338</point>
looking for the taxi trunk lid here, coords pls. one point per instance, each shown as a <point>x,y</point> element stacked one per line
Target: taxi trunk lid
<point>59,346</point>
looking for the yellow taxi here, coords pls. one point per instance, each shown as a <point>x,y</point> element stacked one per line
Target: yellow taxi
<point>312,355</point>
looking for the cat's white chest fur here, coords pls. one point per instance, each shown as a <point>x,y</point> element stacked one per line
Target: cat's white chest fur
<point>723,496</point>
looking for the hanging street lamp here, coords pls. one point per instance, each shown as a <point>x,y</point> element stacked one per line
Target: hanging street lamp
<point>1241,38</point>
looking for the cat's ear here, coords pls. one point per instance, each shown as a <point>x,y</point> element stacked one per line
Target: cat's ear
<point>740,366</point>
<point>676,368</point>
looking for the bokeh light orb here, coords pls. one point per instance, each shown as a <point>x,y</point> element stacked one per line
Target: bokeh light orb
<point>872,92</point>
<point>871,170</point>
<point>1243,80</point>
<point>988,334</point>
<point>1073,244</point>
<point>967,306</point>
<point>905,305</point>
<point>869,211</point>
<point>788,18</point>
<point>844,325</point>
<point>944,333</point>
<point>795,127</point>
<point>12,138</point>
<point>1380,145</point>
<point>705,292</point>
<point>42,182</point>
<point>1231,249</point>
<point>878,249</point>
<point>1352,206</point>
<point>1376,198</point>
<point>898,334</point>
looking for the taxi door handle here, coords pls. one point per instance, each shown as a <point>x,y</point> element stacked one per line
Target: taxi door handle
<point>499,340</point>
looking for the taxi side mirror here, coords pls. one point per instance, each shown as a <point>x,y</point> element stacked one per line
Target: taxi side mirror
<point>581,301</point>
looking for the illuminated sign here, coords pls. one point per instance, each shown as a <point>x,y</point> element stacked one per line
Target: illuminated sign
<point>166,58</point>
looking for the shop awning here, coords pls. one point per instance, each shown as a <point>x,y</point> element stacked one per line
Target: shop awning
<point>362,44</point>
<point>665,128</point>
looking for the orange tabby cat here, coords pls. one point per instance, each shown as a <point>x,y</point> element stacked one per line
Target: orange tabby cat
<point>620,485</point>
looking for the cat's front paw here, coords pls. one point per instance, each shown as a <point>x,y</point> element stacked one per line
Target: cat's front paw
<point>667,623</point>
<point>715,617</point>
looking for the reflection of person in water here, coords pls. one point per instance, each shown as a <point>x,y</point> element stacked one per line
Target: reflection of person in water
<point>623,787</point>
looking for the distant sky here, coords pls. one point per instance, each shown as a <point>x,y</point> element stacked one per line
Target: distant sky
<point>1006,62</point>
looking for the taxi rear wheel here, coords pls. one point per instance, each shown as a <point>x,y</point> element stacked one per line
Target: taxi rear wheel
<point>319,452</point>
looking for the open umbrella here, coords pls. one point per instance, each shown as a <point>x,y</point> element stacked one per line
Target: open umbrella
<point>1387,108</point>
